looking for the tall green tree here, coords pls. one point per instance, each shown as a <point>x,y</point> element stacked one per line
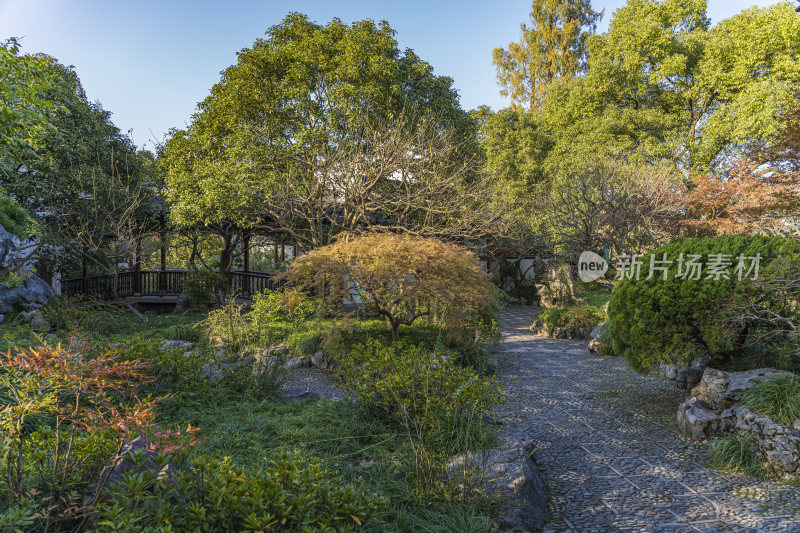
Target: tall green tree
<point>553,46</point>
<point>665,83</point>
<point>23,105</point>
<point>314,131</point>
<point>85,180</point>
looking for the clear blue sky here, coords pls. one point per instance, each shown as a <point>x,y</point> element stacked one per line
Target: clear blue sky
<point>150,62</point>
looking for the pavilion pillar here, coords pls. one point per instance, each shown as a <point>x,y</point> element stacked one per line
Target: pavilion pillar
<point>283,252</point>
<point>275,253</point>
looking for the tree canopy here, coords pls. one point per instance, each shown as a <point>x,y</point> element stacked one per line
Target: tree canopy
<point>265,147</point>
<point>664,82</point>
<point>552,47</point>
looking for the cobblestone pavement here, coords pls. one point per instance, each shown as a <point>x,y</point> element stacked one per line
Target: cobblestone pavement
<point>610,451</point>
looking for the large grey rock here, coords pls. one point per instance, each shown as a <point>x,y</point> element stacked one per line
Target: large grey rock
<point>319,360</point>
<point>512,472</point>
<point>720,389</point>
<point>9,248</point>
<point>779,444</point>
<point>32,294</point>
<point>687,377</point>
<point>698,420</point>
<point>123,463</point>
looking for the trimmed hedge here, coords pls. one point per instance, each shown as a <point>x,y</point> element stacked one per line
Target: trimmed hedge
<point>674,320</point>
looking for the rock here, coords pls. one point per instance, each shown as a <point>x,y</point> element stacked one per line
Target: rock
<point>698,420</point>
<point>319,360</point>
<point>297,396</point>
<point>701,361</point>
<point>720,389</point>
<point>668,371</point>
<point>123,463</point>
<point>558,289</point>
<point>509,285</point>
<point>594,346</point>
<point>574,332</point>
<point>295,362</point>
<point>779,444</point>
<point>176,344</point>
<point>523,300</point>
<point>281,350</point>
<point>32,294</point>
<point>180,304</point>
<point>539,328</point>
<point>9,248</point>
<point>35,319</point>
<point>687,377</point>
<point>511,470</point>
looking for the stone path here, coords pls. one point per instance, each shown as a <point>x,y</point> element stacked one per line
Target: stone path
<point>610,451</point>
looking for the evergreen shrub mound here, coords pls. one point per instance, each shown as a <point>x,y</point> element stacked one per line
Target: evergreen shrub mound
<point>656,320</point>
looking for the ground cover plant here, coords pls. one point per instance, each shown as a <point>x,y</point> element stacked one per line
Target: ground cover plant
<point>366,471</point>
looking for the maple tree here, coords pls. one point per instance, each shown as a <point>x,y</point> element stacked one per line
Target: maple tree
<point>400,277</point>
<point>758,193</point>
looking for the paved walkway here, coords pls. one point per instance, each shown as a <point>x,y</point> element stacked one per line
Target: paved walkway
<point>610,451</point>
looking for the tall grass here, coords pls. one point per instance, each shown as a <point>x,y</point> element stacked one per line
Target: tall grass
<point>777,398</point>
<point>739,454</point>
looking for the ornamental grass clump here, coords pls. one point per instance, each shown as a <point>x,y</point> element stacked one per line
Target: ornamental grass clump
<point>777,398</point>
<point>738,453</point>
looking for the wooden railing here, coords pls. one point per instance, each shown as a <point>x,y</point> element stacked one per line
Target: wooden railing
<point>160,283</point>
<point>247,284</point>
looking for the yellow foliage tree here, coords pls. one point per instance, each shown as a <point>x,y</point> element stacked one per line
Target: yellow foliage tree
<point>400,277</point>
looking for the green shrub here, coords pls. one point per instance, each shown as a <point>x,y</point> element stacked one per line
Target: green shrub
<point>606,346</point>
<point>64,314</point>
<point>438,405</point>
<point>201,289</point>
<point>655,320</point>
<point>211,494</point>
<point>67,410</point>
<point>408,383</point>
<point>738,453</point>
<point>778,398</point>
<point>16,220</point>
<point>185,332</point>
<point>574,316</point>
<point>174,370</point>
<point>288,304</point>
